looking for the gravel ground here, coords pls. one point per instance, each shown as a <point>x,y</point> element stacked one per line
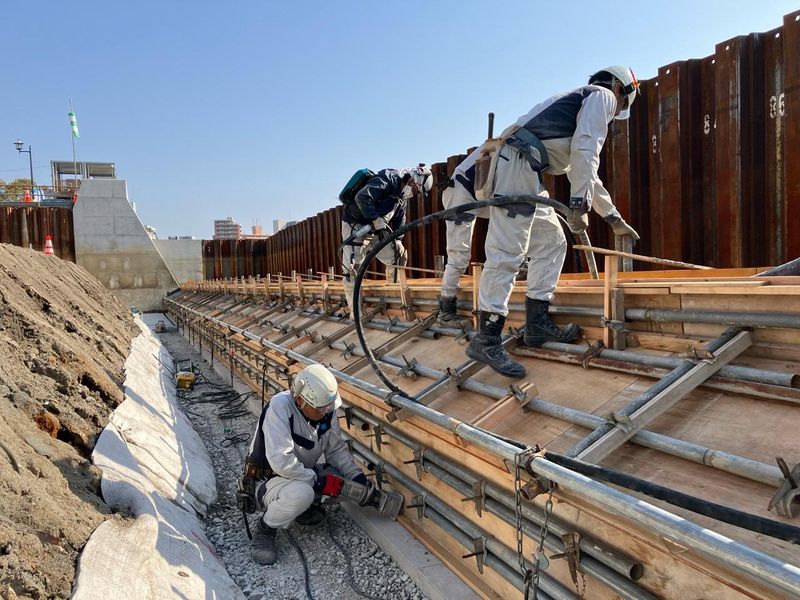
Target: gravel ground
<point>372,573</point>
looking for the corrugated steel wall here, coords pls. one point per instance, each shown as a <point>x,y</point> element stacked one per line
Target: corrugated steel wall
<point>29,226</point>
<point>707,169</point>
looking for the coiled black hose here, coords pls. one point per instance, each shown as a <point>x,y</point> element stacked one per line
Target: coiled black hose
<point>522,201</point>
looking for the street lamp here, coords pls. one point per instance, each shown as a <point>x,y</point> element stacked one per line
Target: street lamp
<point>18,145</point>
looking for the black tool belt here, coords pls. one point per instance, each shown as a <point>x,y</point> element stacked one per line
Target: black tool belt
<point>531,147</point>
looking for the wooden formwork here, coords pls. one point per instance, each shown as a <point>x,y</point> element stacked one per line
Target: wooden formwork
<point>727,416</point>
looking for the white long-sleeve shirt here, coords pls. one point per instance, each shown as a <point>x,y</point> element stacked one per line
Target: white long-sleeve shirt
<point>573,126</point>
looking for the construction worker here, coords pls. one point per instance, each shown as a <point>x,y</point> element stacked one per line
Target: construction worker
<point>373,210</point>
<point>563,134</point>
<point>298,427</point>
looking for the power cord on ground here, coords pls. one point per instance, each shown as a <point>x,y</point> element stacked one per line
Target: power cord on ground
<point>350,575</point>
<point>303,560</point>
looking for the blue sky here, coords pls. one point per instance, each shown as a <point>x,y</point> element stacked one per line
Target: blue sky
<point>262,110</point>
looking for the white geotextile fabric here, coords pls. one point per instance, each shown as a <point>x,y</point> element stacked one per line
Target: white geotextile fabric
<point>156,470</point>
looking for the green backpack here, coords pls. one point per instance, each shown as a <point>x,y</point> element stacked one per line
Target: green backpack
<point>354,185</point>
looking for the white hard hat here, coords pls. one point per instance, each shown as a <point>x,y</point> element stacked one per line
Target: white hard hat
<point>423,177</point>
<point>317,386</point>
<point>630,85</point>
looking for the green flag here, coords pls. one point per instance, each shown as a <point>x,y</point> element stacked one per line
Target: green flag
<point>73,122</point>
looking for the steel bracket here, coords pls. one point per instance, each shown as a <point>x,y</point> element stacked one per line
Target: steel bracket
<point>786,498</point>
<point>378,433</point>
<point>348,351</point>
<point>519,393</point>
<point>535,487</point>
<point>623,422</point>
<point>478,496</point>
<point>461,338</point>
<point>348,416</point>
<point>517,332</point>
<point>455,376</point>
<point>612,324</point>
<point>392,322</point>
<point>572,552</point>
<point>379,471</point>
<point>419,457</point>
<point>479,552</point>
<point>408,370</point>
<point>593,351</point>
<point>418,502</point>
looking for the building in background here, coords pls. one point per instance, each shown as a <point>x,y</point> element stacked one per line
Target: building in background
<point>256,234</point>
<point>279,224</point>
<point>227,229</point>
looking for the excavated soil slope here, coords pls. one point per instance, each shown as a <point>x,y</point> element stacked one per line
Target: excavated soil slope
<point>63,342</point>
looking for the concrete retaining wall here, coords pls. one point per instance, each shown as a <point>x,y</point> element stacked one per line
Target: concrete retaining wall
<point>183,257</point>
<point>112,244</point>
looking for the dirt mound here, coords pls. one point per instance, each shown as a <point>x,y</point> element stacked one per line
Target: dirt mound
<point>63,342</point>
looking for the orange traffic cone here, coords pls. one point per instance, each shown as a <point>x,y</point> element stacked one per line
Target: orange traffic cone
<point>74,196</point>
<point>48,245</point>
<point>27,197</point>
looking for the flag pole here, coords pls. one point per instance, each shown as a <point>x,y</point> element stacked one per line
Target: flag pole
<point>72,136</point>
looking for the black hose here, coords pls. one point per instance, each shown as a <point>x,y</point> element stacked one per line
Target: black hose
<point>448,214</point>
<point>726,514</point>
<point>303,560</point>
<point>351,576</point>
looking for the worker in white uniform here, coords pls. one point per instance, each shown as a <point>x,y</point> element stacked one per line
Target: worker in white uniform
<point>563,134</point>
<point>297,428</point>
<point>373,210</point>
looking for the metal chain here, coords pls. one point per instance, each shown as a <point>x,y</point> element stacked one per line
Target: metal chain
<point>540,557</point>
<point>519,461</point>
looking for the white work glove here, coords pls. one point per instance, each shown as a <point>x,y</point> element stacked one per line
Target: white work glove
<point>378,224</point>
<point>620,227</point>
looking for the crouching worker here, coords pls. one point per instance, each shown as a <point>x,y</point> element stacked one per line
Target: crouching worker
<point>297,427</point>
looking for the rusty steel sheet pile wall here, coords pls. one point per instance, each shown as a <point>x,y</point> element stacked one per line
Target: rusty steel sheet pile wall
<point>29,226</point>
<point>707,169</point>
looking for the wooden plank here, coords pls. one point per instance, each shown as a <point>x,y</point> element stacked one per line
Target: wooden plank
<point>505,408</point>
<point>405,295</point>
<point>611,338</point>
<point>665,400</point>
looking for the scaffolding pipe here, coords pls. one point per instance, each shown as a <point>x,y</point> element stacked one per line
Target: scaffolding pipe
<point>471,531</point>
<point>780,378</point>
<point>623,569</point>
<point>717,459</point>
<point>644,398</point>
<point>721,550</point>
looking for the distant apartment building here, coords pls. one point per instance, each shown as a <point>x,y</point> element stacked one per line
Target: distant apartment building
<point>227,229</point>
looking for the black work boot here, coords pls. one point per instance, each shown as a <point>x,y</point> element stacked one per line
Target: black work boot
<point>539,327</point>
<point>487,347</point>
<point>262,546</point>
<point>448,315</point>
<point>312,517</point>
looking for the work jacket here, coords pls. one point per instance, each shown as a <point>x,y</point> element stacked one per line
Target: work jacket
<point>381,197</point>
<point>572,127</point>
<point>293,444</point>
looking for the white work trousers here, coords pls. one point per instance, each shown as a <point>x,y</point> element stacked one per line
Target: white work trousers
<point>283,500</point>
<point>538,236</point>
<point>353,255</point>
<point>459,238</point>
